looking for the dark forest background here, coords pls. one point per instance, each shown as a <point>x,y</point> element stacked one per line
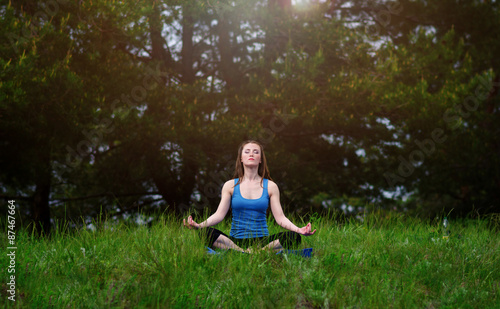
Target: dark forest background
<point>126,107</point>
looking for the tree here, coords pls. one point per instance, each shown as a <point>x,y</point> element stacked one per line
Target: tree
<point>151,99</point>
<point>43,103</point>
<point>451,48</point>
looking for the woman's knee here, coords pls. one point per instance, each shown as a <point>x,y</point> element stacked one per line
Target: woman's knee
<point>210,235</point>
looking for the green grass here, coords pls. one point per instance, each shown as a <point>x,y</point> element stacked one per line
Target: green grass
<point>386,262</point>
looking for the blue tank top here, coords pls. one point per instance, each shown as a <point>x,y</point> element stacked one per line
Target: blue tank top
<point>249,215</point>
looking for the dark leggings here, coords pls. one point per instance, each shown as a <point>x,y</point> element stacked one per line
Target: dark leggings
<point>289,240</point>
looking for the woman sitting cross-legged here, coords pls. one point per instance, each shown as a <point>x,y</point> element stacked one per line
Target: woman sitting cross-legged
<point>249,195</point>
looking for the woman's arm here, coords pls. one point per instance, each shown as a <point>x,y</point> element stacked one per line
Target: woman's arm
<point>221,212</point>
<point>279,216</point>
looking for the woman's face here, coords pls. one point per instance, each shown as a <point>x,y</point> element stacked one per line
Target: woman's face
<point>251,155</point>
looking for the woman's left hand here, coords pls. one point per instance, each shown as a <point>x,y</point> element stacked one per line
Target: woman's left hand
<point>306,230</point>
<point>190,223</point>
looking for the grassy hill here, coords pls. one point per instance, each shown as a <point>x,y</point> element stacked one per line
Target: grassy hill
<point>386,261</point>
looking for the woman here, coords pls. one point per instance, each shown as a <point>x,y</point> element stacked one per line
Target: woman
<point>249,195</point>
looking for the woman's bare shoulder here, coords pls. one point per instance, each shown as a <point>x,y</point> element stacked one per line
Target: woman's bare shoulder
<point>228,186</point>
<point>272,185</point>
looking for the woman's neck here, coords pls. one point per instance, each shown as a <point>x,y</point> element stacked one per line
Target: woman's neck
<point>252,174</point>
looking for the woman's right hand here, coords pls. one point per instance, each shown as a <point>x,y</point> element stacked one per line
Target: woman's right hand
<point>190,223</point>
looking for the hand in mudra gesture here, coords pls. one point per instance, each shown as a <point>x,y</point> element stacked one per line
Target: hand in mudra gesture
<point>190,223</point>
<point>306,230</point>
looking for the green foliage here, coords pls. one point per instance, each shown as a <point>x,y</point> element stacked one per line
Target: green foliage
<point>389,260</point>
<point>130,106</point>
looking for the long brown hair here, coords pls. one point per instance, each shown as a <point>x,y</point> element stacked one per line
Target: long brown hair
<point>263,170</point>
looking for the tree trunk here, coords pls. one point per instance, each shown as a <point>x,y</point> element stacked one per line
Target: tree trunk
<point>164,186</point>
<point>227,66</point>
<point>40,204</point>
<point>274,43</point>
<point>176,193</point>
<point>158,50</point>
<point>188,74</point>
